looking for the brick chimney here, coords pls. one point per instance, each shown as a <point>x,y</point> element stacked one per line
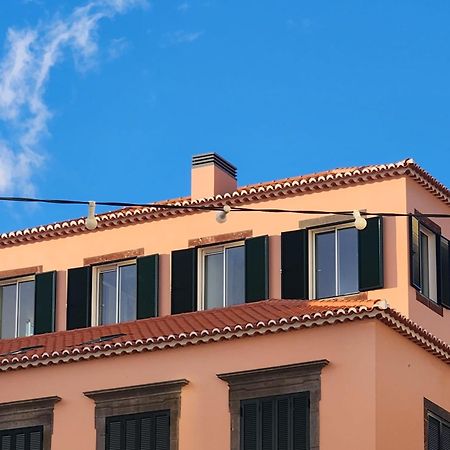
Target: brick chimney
<point>211,175</point>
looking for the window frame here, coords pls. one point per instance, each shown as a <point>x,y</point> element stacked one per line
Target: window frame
<point>432,263</point>
<point>437,413</point>
<point>16,281</point>
<point>202,252</point>
<point>312,232</point>
<point>96,271</point>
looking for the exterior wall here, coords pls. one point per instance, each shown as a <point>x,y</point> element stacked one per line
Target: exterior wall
<point>405,375</point>
<point>420,199</point>
<point>347,408</point>
<point>163,236</point>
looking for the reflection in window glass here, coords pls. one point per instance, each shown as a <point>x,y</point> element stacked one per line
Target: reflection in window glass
<point>347,243</point>
<point>107,296</point>
<point>213,289</point>
<point>325,264</point>
<point>127,292</point>
<point>26,308</point>
<point>235,275</point>
<point>8,298</point>
<point>425,264</point>
<point>336,262</point>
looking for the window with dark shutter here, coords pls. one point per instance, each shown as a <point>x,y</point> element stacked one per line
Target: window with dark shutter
<point>79,295</point>
<point>275,423</point>
<point>22,439</point>
<point>256,268</point>
<point>147,286</point>
<point>184,280</point>
<point>44,302</point>
<point>144,431</point>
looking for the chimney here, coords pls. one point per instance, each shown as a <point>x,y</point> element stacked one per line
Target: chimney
<point>211,175</point>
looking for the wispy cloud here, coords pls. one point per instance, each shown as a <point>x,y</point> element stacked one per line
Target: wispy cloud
<point>183,7</point>
<point>117,47</point>
<point>180,37</point>
<point>30,55</point>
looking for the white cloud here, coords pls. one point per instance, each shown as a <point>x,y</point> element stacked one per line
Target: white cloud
<point>117,47</point>
<point>30,54</point>
<point>180,37</point>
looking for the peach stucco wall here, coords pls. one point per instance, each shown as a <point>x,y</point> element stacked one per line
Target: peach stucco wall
<point>372,390</point>
<point>163,236</point>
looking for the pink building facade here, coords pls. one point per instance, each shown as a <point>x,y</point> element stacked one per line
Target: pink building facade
<point>163,329</point>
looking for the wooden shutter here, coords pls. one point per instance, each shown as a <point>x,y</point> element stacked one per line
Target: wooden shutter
<point>162,431</point>
<point>283,423</point>
<point>433,434</point>
<point>256,268</point>
<point>113,435</point>
<point>22,439</point>
<point>147,286</point>
<point>294,264</point>
<point>79,297</point>
<point>249,425</point>
<point>267,425</point>
<point>184,280</point>
<point>301,421</point>
<point>44,302</point>
<point>370,255</point>
<point>414,252</point>
<point>444,272</point>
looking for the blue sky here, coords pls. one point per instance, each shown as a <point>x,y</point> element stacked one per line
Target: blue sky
<point>130,90</point>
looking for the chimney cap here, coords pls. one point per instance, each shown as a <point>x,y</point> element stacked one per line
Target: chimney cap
<point>204,159</point>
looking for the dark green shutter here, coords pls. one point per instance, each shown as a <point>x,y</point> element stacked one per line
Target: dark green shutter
<point>113,435</point>
<point>249,425</point>
<point>256,268</point>
<point>414,252</point>
<point>433,437</point>
<point>294,264</point>
<point>79,297</point>
<point>44,302</point>
<point>370,255</point>
<point>301,436</point>
<point>283,423</point>
<point>147,286</point>
<point>184,280</point>
<point>444,272</point>
<point>162,431</point>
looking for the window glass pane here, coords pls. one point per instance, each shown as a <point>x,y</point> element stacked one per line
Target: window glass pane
<point>26,308</point>
<point>424,264</point>
<point>235,275</point>
<point>213,289</point>
<point>325,260</point>
<point>347,260</point>
<point>107,296</point>
<point>127,290</point>
<point>8,311</point>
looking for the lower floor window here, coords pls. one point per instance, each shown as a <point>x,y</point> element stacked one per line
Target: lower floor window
<point>438,433</point>
<point>273,423</point>
<point>144,431</point>
<point>17,309</point>
<point>21,439</point>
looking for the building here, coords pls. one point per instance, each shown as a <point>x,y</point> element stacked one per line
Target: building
<point>266,332</point>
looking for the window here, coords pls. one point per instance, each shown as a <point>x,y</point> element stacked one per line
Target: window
<point>115,293</point>
<point>22,439</point>
<point>149,431</point>
<point>335,262</point>
<point>275,408</point>
<point>427,261</point>
<point>222,276</point>
<point>437,427</point>
<point>17,308</point>
<point>274,423</point>
<point>149,416</point>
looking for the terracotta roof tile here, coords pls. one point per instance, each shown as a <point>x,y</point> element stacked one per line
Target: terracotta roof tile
<point>206,326</point>
<point>329,179</point>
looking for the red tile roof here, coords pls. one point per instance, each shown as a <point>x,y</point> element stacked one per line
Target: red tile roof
<point>206,326</point>
<point>244,195</point>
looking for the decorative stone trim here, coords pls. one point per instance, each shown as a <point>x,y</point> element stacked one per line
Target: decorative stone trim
<point>138,399</point>
<point>329,219</point>
<point>430,407</point>
<point>30,413</point>
<point>24,271</point>
<point>111,257</point>
<point>272,381</point>
<point>220,238</point>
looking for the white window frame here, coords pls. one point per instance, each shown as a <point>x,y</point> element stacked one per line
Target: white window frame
<point>432,261</point>
<point>16,281</point>
<point>202,253</point>
<point>96,271</point>
<point>312,256</point>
